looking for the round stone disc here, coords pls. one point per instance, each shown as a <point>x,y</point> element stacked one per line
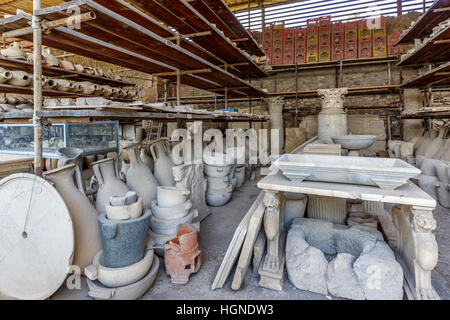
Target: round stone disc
<point>36,238</point>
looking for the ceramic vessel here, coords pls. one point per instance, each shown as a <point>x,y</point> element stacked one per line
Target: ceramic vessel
<point>355,142</point>
<point>147,160</point>
<point>20,79</point>
<point>140,178</point>
<point>160,240</point>
<point>67,65</point>
<point>170,226</point>
<point>175,212</point>
<point>107,91</point>
<point>89,88</point>
<point>428,138</point>
<point>14,51</point>
<point>182,256</point>
<point>171,196</point>
<point>163,164</point>
<point>123,241</point>
<point>83,214</point>
<point>442,168</point>
<point>428,167</point>
<point>418,142</point>
<point>64,85</point>
<point>72,155</point>
<point>219,197</point>
<point>119,277</point>
<point>131,292</point>
<point>429,184</point>
<point>217,171</point>
<point>49,59</point>
<point>79,68</point>
<point>125,212</point>
<point>5,75</point>
<point>109,184</point>
<point>217,183</point>
<point>49,84</point>
<point>443,192</point>
<point>436,145</point>
<point>443,150</point>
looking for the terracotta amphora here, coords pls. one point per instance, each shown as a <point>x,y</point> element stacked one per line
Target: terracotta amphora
<point>163,164</point>
<point>140,177</point>
<point>83,214</point>
<point>5,75</point>
<point>90,88</point>
<point>182,256</point>
<point>64,85</point>
<point>49,83</point>
<point>49,59</point>
<point>109,184</point>
<point>20,79</point>
<point>443,150</point>
<point>426,142</point>
<point>14,51</point>
<point>146,159</point>
<point>436,145</point>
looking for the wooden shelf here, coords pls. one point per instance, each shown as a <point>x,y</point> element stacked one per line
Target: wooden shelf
<point>6,88</point>
<point>437,13</point>
<point>54,72</point>
<point>117,40</point>
<point>436,49</point>
<point>442,112</point>
<point>438,77</point>
<point>387,89</point>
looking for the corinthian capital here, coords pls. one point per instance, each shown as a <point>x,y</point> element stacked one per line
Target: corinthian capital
<point>275,104</point>
<point>332,98</point>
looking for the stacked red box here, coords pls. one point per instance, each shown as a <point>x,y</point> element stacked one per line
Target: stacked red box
<point>351,40</point>
<point>267,42</point>
<point>277,43</point>
<point>288,46</point>
<point>394,50</point>
<point>379,37</point>
<point>325,38</point>
<point>337,41</point>
<point>312,54</point>
<point>364,39</point>
<point>300,45</point>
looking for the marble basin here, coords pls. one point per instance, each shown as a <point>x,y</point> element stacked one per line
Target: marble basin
<point>354,142</point>
<point>388,174</point>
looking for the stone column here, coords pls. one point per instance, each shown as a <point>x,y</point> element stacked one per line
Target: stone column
<point>332,120</point>
<point>416,248</point>
<point>412,101</point>
<point>276,119</point>
<point>272,268</point>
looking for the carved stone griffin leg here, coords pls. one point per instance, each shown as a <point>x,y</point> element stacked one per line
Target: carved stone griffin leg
<point>417,248</point>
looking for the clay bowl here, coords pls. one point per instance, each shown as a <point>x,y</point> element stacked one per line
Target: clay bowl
<point>355,142</point>
<point>119,277</point>
<point>171,196</point>
<point>129,212</point>
<point>217,171</point>
<point>174,212</point>
<point>170,226</point>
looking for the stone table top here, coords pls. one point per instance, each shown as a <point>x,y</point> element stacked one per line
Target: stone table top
<point>408,194</point>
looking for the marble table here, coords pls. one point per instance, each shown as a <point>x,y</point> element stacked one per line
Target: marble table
<point>416,247</point>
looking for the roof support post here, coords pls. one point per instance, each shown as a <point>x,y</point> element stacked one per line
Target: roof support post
<point>37,92</point>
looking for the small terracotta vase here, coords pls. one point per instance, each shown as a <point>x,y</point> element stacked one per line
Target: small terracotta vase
<point>109,184</point>
<point>83,214</point>
<point>64,85</point>
<point>163,164</point>
<point>20,79</point>
<point>140,177</point>
<point>107,91</point>
<point>182,256</point>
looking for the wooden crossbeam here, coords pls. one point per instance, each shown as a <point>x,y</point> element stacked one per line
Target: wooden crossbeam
<point>441,10</point>
<point>230,88</point>
<point>174,73</point>
<point>233,64</point>
<point>190,35</point>
<point>445,41</point>
<point>240,40</point>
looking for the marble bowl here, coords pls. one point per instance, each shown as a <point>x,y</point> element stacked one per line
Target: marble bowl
<point>355,142</point>
<point>171,196</point>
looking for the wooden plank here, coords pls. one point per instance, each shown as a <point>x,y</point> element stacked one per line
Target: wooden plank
<point>247,248</point>
<point>437,76</point>
<point>235,246</point>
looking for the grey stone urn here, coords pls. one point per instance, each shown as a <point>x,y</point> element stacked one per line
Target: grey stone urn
<point>123,241</point>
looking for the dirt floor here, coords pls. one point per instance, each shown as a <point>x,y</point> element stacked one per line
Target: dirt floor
<point>216,233</point>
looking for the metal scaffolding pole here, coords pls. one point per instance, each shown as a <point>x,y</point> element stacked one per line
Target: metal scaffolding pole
<point>37,80</point>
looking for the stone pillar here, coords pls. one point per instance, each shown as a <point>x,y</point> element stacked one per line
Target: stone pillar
<point>276,119</point>
<point>332,119</point>
<point>412,100</point>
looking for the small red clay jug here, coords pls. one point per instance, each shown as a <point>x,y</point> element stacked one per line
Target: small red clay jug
<point>181,254</point>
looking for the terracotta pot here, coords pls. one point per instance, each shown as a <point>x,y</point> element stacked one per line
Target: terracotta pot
<point>64,85</point>
<point>175,212</point>
<point>146,159</point>
<point>123,241</point>
<point>20,79</point>
<point>49,59</point>
<point>67,65</point>
<point>182,256</point>
<point>109,184</point>
<point>79,68</point>
<point>14,51</point>
<point>171,196</point>
<point>119,277</point>
<point>89,88</point>
<point>5,75</point>
<point>140,178</point>
<point>49,84</point>
<point>170,226</point>
<point>107,91</point>
<point>163,164</point>
<point>83,214</point>
<point>126,212</point>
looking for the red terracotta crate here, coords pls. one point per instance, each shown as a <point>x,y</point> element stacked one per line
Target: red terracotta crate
<point>267,42</point>
<point>351,31</point>
<point>300,37</point>
<point>312,26</point>
<point>324,53</point>
<point>365,48</point>
<point>288,46</point>
<point>351,50</point>
<point>277,44</point>
<point>338,27</point>
<point>300,55</point>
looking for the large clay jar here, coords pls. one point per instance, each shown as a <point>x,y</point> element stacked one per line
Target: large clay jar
<point>147,160</point>
<point>14,51</point>
<point>436,145</point>
<point>426,143</point>
<point>83,214</point>
<point>163,164</point>
<point>124,241</point>
<point>64,85</point>
<point>49,59</point>
<point>90,88</point>
<point>109,184</point>
<point>20,79</point>
<point>443,150</point>
<point>420,141</point>
<point>5,75</point>
<point>140,178</point>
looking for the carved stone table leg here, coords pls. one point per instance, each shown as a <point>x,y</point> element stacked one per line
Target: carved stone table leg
<point>417,248</point>
<point>272,269</point>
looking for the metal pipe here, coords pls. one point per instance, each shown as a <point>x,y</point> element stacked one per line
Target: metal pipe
<point>37,92</point>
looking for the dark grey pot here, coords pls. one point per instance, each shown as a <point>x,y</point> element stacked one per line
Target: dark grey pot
<point>123,241</point>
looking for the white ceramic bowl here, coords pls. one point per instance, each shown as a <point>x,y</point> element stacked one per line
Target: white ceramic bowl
<point>217,171</point>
